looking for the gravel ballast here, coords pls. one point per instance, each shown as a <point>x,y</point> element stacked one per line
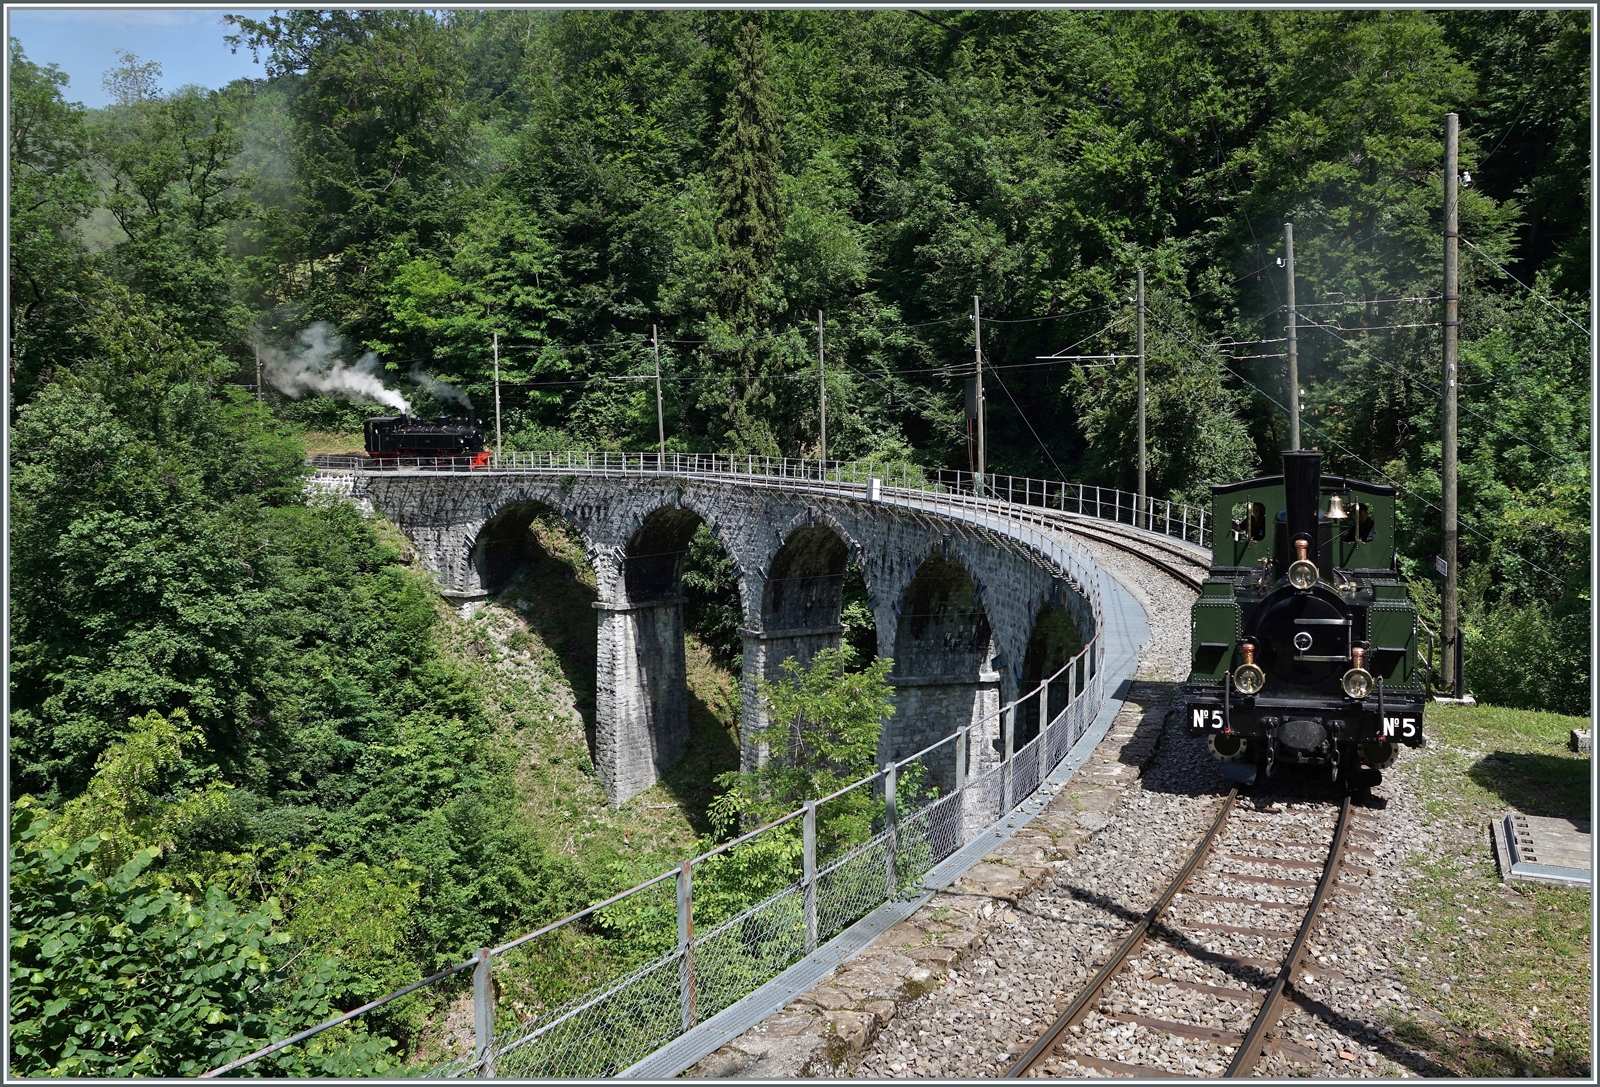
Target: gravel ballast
<point>968,984</point>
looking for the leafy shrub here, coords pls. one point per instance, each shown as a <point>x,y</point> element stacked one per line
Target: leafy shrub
<point>1526,656</point>
<point>115,975</point>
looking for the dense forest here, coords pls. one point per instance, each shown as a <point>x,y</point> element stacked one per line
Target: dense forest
<point>249,764</point>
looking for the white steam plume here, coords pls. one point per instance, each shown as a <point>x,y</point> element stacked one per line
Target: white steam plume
<point>440,390</point>
<point>315,367</point>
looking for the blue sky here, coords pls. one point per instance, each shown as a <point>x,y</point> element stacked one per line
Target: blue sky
<point>84,42</point>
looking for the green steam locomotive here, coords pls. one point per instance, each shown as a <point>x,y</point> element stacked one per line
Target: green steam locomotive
<point>1304,638</point>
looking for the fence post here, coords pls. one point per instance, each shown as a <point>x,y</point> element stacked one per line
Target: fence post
<point>1044,706</point>
<point>483,1015</point>
<point>809,860</point>
<point>891,784</point>
<point>1008,722</point>
<point>961,759</point>
<point>685,946</point>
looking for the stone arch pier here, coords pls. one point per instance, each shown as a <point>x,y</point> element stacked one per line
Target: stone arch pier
<point>956,604</point>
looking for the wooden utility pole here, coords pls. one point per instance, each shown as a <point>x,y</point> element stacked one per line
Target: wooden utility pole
<point>1294,348</point>
<point>661,418</point>
<point>1144,504</point>
<point>497,393</point>
<point>1450,632</point>
<point>822,390</point>
<point>977,354</point>
<point>259,396</point>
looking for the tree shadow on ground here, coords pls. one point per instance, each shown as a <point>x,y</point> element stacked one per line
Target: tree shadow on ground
<point>1535,783</point>
<point>711,751</point>
<point>1456,1052</point>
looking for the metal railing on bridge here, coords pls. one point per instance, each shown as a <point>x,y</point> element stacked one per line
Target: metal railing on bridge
<point>715,928</point>
<point>1185,522</point>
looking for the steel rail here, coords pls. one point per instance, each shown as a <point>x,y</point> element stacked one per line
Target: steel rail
<point>1250,1050</point>
<point>1081,1005</point>
<point>1115,540</point>
<point>1150,537</point>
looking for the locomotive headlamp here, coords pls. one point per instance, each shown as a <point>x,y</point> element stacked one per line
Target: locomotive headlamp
<point>1302,571</point>
<point>1248,678</point>
<point>1357,682</point>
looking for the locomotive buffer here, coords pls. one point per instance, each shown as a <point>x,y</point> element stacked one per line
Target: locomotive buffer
<point>1304,638</point>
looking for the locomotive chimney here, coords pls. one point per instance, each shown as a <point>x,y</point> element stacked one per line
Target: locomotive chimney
<point>1302,479</point>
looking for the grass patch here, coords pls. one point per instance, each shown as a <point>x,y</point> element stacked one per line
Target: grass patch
<point>334,442</point>
<point>1505,965</point>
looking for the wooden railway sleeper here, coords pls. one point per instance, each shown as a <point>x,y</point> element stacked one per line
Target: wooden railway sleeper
<point>1251,1049</point>
<point>1084,1003</point>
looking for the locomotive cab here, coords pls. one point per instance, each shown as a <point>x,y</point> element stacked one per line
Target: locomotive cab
<point>1304,639</point>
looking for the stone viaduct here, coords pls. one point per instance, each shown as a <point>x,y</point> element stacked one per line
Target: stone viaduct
<point>967,613</point>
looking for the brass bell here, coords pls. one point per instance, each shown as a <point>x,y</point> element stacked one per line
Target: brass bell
<point>1336,508</point>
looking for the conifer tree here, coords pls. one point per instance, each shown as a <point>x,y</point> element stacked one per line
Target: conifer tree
<point>749,224</point>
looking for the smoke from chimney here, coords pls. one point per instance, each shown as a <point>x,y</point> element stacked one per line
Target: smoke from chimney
<point>316,368</point>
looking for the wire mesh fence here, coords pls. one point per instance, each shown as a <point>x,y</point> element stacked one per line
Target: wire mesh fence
<point>912,822</point>
<point>701,937</point>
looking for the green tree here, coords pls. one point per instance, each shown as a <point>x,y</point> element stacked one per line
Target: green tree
<point>749,227</point>
<point>379,148</point>
<point>173,190</point>
<point>823,723</point>
<point>112,974</point>
<point>51,189</point>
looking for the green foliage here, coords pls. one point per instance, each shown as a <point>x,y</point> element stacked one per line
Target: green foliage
<point>711,585</point>
<point>50,190</point>
<point>1525,655</point>
<point>245,690</point>
<point>145,794</point>
<point>823,722</point>
<point>240,696</point>
<point>172,189</point>
<point>111,974</point>
<point>746,164</point>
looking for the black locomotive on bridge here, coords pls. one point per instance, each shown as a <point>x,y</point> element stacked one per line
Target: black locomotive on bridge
<point>450,442</point>
<point>1304,638</point>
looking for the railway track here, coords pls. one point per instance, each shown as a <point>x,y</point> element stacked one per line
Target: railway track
<point>1216,988</point>
<point>1137,546</point>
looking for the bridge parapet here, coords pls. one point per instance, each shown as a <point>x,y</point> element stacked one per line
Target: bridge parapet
<point>957,582</point>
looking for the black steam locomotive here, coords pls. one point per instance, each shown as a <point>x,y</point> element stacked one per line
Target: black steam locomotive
<point>1304,638</point>
<point>443,442</point>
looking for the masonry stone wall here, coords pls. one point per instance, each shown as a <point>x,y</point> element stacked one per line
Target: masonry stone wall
<point>954,606</point>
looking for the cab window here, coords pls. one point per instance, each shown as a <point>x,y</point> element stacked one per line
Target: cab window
<point>1249,522</point>
<point>1359,527</point>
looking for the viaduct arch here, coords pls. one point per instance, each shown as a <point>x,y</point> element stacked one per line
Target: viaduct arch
<point>957,607</point>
